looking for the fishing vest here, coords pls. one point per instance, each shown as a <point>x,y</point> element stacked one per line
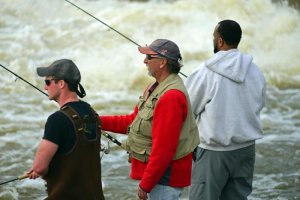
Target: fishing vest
<point>77,174</point>
<point>139,141</point>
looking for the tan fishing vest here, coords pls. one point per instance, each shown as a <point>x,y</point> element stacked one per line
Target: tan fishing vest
<point>139,141</point>
<point>77,174</point>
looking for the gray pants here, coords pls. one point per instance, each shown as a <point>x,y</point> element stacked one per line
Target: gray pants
<point>222,175</point>
<point>164,192</point>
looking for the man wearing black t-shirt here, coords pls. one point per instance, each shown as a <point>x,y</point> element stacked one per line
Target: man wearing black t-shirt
<point>68,155</point>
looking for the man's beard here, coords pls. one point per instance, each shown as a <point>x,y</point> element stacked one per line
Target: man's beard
<point>216,48</point>
<point>151,73</point>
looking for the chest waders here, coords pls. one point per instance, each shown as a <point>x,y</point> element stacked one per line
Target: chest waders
<point>77,174</point>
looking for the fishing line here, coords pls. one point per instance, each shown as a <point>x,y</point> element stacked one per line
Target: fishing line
<point>110,27</point>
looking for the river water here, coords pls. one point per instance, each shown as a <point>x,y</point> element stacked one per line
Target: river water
<point>34,33</point>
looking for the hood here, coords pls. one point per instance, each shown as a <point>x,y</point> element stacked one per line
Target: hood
<point>231,64</point>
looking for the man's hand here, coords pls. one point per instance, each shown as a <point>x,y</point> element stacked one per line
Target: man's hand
<point>32,174</point>
<point>142,194</point>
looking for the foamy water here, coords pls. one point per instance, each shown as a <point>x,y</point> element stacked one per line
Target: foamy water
<point>34,33</point>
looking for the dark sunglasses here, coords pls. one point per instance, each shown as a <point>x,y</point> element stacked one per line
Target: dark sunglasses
<point>150,57</point>
<point>48,81</point>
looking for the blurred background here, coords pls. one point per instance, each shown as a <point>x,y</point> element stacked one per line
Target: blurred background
<point>35,33</point>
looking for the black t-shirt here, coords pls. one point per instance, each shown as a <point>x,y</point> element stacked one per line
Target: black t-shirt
<point>59,129</point>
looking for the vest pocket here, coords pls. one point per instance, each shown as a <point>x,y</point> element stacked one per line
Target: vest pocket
<point>140,148</point>
<point>140,133</point>
<point>146,113</point>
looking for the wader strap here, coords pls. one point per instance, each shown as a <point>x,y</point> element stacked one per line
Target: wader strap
<point>78,121</point>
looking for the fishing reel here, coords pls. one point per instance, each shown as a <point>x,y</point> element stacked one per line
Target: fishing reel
<point>104,149</point>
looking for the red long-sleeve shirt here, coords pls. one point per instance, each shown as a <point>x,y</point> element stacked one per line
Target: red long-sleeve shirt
<point>169,114</point>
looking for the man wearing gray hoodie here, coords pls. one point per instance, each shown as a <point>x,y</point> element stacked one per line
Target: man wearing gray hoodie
<point>227,93</point>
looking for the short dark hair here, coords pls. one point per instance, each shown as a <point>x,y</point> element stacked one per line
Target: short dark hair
<point>230,31</point>
<point>72,87</point>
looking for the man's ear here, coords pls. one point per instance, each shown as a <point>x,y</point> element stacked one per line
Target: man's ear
<point>163,62</point>
<point>221,42</point>
<point>62,83</point>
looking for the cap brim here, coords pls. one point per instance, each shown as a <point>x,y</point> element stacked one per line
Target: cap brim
<point>146,50</point>
<point>43,71</point>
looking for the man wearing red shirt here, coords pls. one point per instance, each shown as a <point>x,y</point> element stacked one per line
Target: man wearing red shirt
<point>162,132</point>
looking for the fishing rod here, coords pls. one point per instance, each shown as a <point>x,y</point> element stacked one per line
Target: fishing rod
<point>111,138</point>
<point>18,178</point>
<point>103,22</point>
<point>110,27</point>
<point>23,79</point>
<point>114,140</point>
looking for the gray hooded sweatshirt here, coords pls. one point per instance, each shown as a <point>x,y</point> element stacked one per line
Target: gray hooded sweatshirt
<point>227,93</point>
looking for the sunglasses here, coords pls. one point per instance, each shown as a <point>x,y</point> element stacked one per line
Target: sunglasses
<point>150,57</point>
<point>48,81</point>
